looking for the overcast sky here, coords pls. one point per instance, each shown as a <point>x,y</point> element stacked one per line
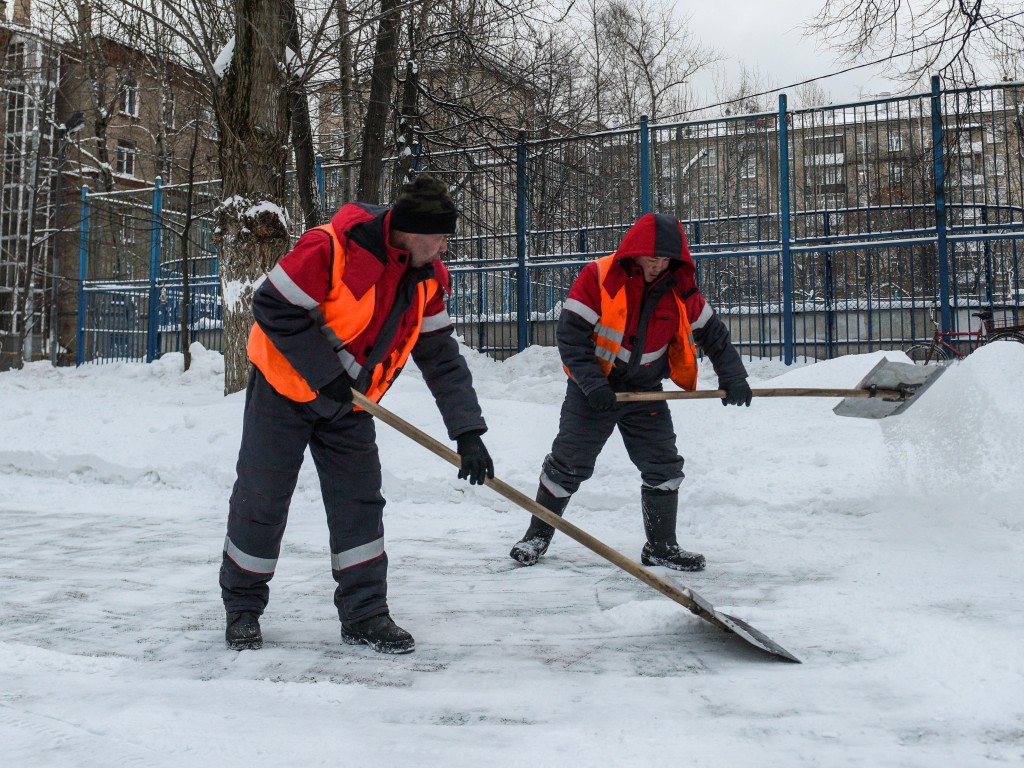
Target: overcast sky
<point>768,37</point>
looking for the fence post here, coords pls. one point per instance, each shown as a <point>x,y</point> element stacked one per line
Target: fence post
<point>153,329</point>
<point>522,277</point>
<point>83,274</point>
<point>940,203</point>
<point>987,250</point>
<point>645,166</point>
<point>788,324</point>
<point>321,184</point>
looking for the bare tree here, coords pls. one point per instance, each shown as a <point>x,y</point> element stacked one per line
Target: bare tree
<point>382,84</point>
<point>301,125</point>
<point>26,80</point>
<point>749,92</point>
<point>812,94</point>
<point>346,83</point>
<point>947,37</point>
<point>253,115</point>
<point>643,56</point>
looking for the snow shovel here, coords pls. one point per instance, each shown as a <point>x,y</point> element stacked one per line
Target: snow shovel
<point>888,389</point>
<point>682,595</point>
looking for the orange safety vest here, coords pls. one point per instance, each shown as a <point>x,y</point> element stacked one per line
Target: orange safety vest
<point>347,317</point>
<point>611,329</point>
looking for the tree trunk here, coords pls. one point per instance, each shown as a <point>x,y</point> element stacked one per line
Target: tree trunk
<point>347,83</point>
<point>408,125</point>
<point>252,226</point>
<point>186,233</point>
<point>25,301</point>
<point>381,81</point>
<point>302,133</point>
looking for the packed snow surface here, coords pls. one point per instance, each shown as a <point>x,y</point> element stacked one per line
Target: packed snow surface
<point>887,555</point>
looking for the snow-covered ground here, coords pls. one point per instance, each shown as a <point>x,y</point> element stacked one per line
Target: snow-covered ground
<point>887,555</point>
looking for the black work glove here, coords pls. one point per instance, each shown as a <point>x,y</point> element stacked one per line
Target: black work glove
<point>737,393</point>
<point>476,461</point>
<point>339,389</point>
<point>603,398</point>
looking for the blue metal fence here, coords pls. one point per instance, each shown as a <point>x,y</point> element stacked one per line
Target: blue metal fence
<point>816,232</point>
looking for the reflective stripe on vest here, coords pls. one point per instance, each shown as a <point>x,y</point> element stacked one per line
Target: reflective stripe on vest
<point>610,329</point>
<point>343,318</point>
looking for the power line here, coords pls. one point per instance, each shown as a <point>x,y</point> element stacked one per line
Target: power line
<point>853,68</point>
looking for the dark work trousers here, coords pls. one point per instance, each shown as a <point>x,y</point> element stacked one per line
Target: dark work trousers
<point>275,433</point>
<point>647,433</point>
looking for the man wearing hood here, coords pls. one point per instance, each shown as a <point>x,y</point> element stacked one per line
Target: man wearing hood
<point>343,311</point>
<point>630,321</point>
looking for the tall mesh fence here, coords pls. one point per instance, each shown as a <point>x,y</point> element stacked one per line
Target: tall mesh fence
<point>816,232</point>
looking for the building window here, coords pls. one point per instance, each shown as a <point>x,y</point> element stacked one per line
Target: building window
<point>863,144</point>
<point>833,145</point>
<point>833,174</point>
<point>126,158</point>
<point>130,98</point>
<point>750,167</point>
<point>895,142</point>
<point>748,197</point>
<point>16,57</point>
<point>835,201</point>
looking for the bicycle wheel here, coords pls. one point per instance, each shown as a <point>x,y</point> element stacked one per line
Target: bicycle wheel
<point>928,354</point>
<point>1006,336</point>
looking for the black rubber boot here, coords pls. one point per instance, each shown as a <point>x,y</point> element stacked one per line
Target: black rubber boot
<point>538,536</point>
<point>660,509</point>
<point>380,633</point>
<point>243,631</point>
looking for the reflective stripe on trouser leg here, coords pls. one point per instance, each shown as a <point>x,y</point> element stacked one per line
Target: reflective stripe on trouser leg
<point>275,432</point>
<point>582,433</point>
<point>647,433</point>
<point>348,464</point>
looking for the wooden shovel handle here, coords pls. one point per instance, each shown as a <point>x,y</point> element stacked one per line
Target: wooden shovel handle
<point>718,394</point>
<point>680,595</point>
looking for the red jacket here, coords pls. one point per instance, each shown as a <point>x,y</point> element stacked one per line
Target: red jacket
<point>652,313</point>
<point>307,333</point>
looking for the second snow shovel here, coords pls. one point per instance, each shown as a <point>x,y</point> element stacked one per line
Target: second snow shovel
<point>888,389</point>
<point>682,595</point>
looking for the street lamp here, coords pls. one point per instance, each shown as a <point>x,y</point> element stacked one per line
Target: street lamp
<point>72,125</point>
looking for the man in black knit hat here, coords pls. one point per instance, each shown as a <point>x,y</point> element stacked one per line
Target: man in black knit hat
<point>343,311</point>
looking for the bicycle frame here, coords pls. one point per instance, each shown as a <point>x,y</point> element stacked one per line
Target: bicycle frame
<point>944,345</point>
<point>945,339</point>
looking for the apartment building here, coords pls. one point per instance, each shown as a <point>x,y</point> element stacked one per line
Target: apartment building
<point>81,109</point>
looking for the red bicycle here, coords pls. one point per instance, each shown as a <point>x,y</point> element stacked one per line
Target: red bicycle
<point>956,345</point>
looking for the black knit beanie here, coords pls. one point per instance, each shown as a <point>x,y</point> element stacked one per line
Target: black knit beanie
<point>424,207</point>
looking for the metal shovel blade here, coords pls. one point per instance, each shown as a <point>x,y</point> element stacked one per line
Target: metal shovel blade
<point>755,636</point>
<point>903,384</point>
